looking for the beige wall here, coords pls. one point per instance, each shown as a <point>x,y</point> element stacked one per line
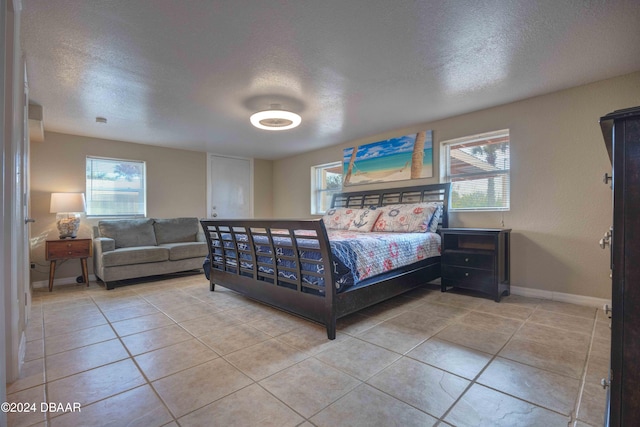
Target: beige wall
<point>262,188</point>
<point>176,185</point>
<point>559,206</point>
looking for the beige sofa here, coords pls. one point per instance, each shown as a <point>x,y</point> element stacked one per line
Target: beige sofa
<point>131,248</point>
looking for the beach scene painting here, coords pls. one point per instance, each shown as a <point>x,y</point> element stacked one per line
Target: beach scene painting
<point>395,159</point>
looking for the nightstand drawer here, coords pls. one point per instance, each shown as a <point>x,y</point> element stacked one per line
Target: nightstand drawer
<point>465,276</point>
<point>67,249</point>
<point>469,259</point>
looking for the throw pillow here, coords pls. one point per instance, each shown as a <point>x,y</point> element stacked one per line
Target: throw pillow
<point>406,218</point>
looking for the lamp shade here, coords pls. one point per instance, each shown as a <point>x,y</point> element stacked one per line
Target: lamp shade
<point>67,202</point>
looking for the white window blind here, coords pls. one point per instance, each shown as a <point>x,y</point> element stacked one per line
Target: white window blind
<point>326,180</point>
<point>478,168</point>
<point>116,187</point>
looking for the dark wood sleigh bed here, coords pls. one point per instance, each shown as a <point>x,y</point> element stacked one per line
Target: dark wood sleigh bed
<point>230,240</point>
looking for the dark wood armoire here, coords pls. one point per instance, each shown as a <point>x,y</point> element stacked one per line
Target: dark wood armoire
<point>621,130</point>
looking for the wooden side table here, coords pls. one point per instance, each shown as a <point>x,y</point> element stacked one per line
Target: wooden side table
<point>477,259</point>
<point>64,249</point>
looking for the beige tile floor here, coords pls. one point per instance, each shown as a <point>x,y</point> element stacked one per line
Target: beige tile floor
<point>169,352</point>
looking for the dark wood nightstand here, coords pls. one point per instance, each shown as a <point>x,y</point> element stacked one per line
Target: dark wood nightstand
<point>477,259</point>
<point>63,249</point>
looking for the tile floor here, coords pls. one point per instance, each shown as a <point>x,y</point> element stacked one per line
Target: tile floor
<point>169,352</point>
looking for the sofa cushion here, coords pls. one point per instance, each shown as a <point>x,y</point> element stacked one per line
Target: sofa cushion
<point>186,250</point>
<point>176,230</point>
<point>129,233</point>
<point>137,255</point>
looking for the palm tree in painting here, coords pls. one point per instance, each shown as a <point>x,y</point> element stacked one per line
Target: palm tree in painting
<point>417,158</point>
<point>347,177</point>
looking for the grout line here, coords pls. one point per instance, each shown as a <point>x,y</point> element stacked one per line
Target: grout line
<point>474,380</point>
<point>576,408</point>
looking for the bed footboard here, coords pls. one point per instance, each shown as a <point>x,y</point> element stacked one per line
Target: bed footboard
<point>283,263</point>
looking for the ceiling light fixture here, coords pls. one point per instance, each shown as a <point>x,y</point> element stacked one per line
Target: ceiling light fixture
<point>275,119</point>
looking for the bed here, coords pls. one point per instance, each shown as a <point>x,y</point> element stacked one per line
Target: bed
<point>294,266</point>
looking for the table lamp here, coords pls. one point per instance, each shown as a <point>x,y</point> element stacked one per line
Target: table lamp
<point>68,207</point>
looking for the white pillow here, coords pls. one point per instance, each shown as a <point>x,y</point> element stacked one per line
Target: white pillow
<point>352,219</point>
<point>406,218</point>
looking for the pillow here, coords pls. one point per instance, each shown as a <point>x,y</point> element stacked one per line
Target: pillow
<point>339,218</point>
<point>435,219</point>
<point>364,219</point>
<point>407,218</point>
<point>129,232</point>
<point>350,219</point>
<point>176,230</point>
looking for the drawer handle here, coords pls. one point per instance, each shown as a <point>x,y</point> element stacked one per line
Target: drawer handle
<point>466,260</point>
<point>466,274</point>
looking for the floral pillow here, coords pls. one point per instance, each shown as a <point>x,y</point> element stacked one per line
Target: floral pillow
<point>408,218</point>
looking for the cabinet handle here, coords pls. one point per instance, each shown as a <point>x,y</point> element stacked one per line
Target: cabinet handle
<point>605,383</point>
<point>607,178</point>
<point>466,274</point>
<point>606,240</point>
<point>607,309</point>
<point>466,260</point>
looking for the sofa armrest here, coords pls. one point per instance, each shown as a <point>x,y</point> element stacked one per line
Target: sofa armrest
<point>200,237</point>
<point>103,244</point>
<point>100,246</point>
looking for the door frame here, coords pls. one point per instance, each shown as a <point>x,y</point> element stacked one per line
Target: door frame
<point>4,13</point>
<point>15,284</point>
<point>209,181</point>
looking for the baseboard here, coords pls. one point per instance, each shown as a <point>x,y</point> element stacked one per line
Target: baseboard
<point>559,296</point>
<point>60,281</point>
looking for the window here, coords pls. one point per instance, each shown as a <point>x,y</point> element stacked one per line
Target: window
<point>326,180</point>
<point>478,168</point>
<point>116,187</point>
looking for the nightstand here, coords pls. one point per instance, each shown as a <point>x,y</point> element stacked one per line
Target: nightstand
<point>476,259</point>
<point>60,250</point>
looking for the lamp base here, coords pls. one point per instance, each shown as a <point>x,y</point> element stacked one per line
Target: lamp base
<point>68,225</point>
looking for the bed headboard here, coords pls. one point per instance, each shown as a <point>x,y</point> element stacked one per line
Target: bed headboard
<point>391,196</point>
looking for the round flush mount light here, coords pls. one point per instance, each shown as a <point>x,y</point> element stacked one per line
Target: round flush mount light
<point>275,119</point>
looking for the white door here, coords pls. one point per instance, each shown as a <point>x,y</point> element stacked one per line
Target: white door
<point>230,189</point>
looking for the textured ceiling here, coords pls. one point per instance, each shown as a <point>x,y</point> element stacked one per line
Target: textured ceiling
<point>189,73</point>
